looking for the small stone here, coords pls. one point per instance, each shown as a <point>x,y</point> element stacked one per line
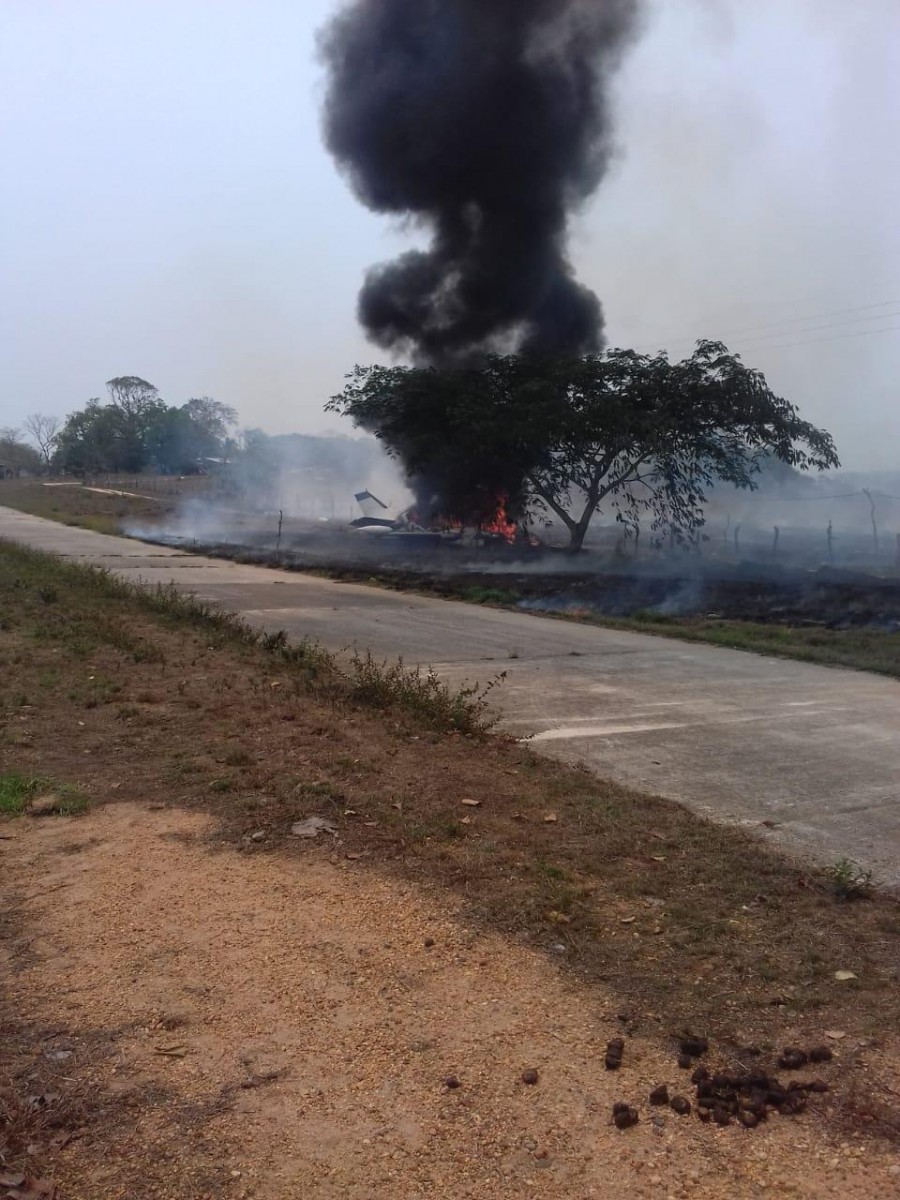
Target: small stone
<point>452,1082</point>
<point>530,1076</point>
<point>258,836</point>
<point>312,827</point>
<point>428,943</point>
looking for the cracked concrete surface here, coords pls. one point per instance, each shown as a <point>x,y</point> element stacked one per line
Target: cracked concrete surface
<point>810,755</point>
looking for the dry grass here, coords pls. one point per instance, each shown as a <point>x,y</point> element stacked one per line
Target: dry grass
<point>73,504</point>
<point>692,922</point>
<point>35,1125</point>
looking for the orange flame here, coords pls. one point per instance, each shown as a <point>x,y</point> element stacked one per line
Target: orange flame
<point>499,524</point>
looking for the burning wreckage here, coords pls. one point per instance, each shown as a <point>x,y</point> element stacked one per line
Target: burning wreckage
<point>411,527</point>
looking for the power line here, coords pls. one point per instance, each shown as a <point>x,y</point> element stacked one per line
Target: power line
<point>807,342</point>
<point>836,312</point>
<point>834,338</point>
<point>757,499</point>
<point>760,337</point>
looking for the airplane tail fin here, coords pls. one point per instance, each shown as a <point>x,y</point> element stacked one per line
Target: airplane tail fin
<point>371,506</point>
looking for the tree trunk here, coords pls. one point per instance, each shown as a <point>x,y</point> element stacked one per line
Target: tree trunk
<point>578,531</point>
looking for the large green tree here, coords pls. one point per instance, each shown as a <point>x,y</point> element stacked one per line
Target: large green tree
<point>465,436</point>
<point>91,440</point>
<point>623,432</point>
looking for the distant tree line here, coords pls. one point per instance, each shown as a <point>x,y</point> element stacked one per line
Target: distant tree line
<point>134,430</point>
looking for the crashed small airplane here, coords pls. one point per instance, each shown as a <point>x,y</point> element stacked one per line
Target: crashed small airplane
<point>404,527</point>
<point>371,519</point>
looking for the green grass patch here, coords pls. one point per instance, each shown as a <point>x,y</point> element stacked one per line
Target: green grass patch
<point>17,791</point>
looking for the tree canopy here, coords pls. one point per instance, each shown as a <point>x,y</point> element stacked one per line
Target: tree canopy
<point>624,432</point>
<point>463,435</point>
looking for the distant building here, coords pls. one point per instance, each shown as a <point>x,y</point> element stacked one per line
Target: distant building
<point>211,465</point>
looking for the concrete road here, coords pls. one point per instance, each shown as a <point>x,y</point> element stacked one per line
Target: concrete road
<point>812,752</point>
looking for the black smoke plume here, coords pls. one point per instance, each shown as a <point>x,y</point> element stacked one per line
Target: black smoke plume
<point>487,122</point>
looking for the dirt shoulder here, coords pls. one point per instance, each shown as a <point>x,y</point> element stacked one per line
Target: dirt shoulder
<point>248,1025</point>
<point>217,1007</point>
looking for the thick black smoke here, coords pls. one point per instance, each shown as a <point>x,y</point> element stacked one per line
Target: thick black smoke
<point>488,122</point>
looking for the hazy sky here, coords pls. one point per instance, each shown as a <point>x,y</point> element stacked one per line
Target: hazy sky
<point>167,208</point>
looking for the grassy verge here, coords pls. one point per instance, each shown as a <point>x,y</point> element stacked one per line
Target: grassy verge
<point>155,697</point>
<point>358,678</point>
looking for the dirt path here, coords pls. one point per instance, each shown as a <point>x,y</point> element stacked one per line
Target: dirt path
<point>309,1027</point>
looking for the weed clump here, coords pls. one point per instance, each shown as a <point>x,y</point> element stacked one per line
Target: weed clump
<point>461,709</point>
<point>850,881</point>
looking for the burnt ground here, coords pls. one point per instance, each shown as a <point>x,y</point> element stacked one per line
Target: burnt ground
<point>671,583</point>
<point>828,598</point>
<point>129,932</point>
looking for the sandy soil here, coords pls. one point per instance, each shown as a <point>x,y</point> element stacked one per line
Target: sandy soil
<point>251,1026</point>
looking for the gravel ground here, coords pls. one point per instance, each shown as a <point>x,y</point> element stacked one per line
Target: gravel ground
<point>261,1028</point>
